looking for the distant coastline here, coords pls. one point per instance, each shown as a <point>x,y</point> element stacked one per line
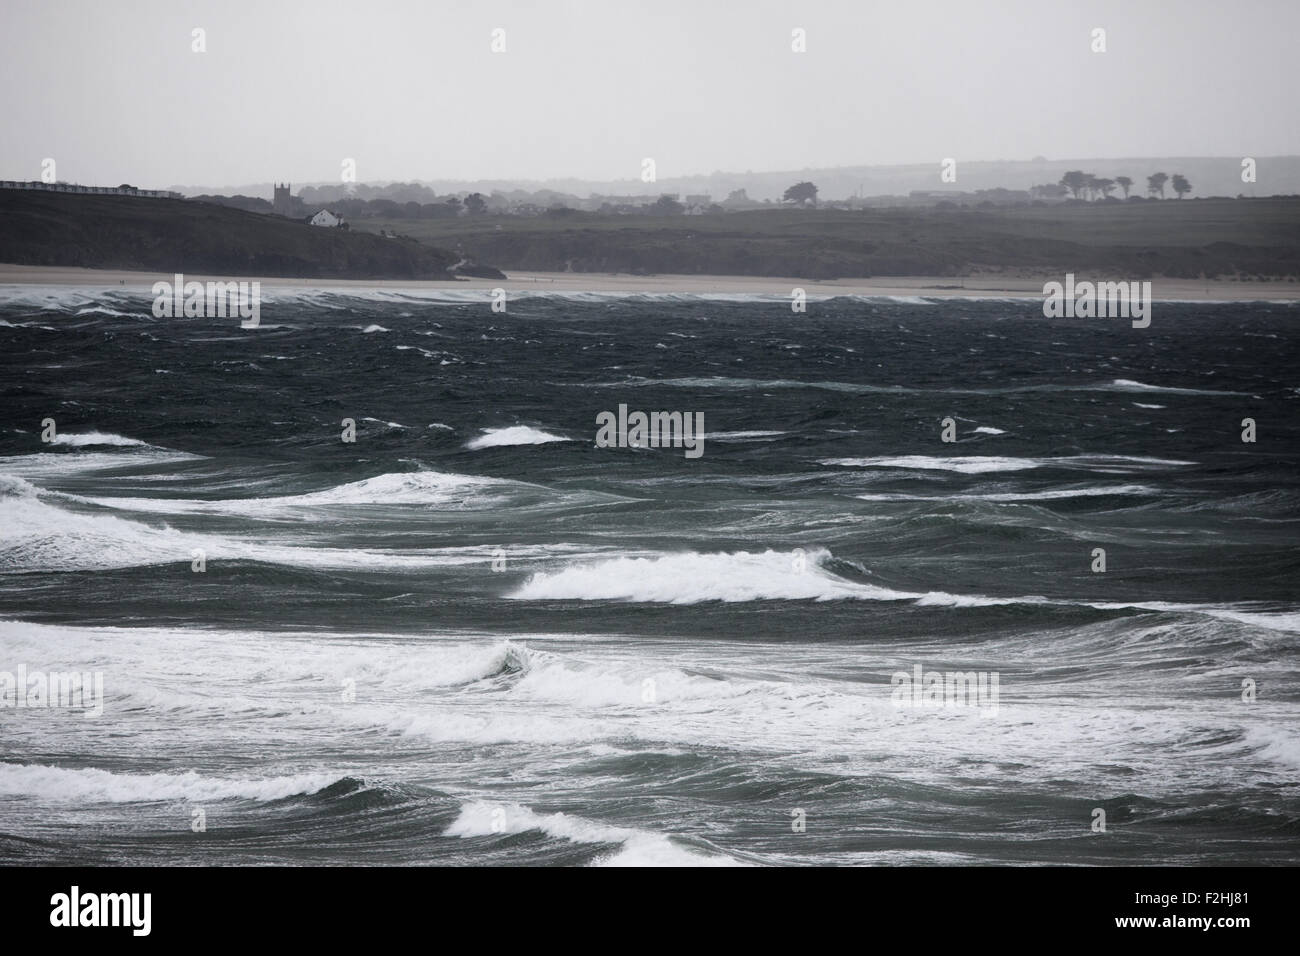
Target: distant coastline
<point>117,230</point>
<point>1251,240</point>
<point>1208,249</point>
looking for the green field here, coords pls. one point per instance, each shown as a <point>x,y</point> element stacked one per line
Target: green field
<point>1247,239</point>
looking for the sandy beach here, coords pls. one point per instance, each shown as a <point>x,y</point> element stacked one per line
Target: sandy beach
<point>1024,286</point>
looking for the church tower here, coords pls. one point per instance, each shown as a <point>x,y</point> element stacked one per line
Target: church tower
<point>281,205</point>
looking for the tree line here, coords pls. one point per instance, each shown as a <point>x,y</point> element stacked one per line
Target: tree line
<point>1087,186</point>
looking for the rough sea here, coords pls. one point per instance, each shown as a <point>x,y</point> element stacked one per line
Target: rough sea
<point>473,636</point>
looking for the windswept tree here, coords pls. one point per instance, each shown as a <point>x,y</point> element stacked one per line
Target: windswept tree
<point>1104,186</point>
<point>802,193</point>
<point>1156,184</point>
<point>1124,183</point>
<point>1075,181</point>
<point>1181,185</point>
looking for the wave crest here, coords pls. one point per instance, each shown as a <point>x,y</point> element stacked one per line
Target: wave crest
<point>513,435</point>
<point>691,577</point>
<point>101,786</point>
<point>481,818</point>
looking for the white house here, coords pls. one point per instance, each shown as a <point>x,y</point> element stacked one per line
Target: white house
<point>326,218</point>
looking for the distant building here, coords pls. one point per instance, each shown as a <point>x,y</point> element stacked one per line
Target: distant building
<point>282,204</point>
<point>327,218</point>
<point>126,189</point>
<point>697,205</point>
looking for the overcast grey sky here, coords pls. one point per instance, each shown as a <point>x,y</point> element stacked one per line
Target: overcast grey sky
<point>410,89</point>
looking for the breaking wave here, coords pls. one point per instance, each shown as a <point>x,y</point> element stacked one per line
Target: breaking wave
<point>514,435</point>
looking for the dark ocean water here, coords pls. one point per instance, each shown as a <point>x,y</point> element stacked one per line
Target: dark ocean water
<point>473,636</point>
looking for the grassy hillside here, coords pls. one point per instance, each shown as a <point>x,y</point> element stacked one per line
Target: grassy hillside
<point>1174,238</point>
<point>173,235</point>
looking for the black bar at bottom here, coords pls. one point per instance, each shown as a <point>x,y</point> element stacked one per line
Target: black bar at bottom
<point>333,905</point>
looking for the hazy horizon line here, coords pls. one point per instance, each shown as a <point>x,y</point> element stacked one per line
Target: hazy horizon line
<point>381,181</point>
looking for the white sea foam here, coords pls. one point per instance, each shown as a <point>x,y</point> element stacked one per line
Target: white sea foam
<point>690,577</point>
<point>742,436</point>
<point>1285,621</point>
<point>431,488</point>
<point>730,382</point>
<point>43,464</point>
<point>105,310</point>
<point>513,435</point>
<point>88,785</point>
<point>812,706</point>
<point>967,465</point>
<point>1052,495</point>
<point>977,464</point>
<point>555,678</point>
<point>1129,385</point>
<point>42,536</point>
<point>94,438</point>
<point>1276,744</point>
<point>1288,621</point>
<point>1103,462</point>
<point>411,487</point>
<point>944,599</point>
<point>481,818</point>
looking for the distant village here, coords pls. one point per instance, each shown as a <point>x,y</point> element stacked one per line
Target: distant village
<point>416,201</point>
<point>334,205</point>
